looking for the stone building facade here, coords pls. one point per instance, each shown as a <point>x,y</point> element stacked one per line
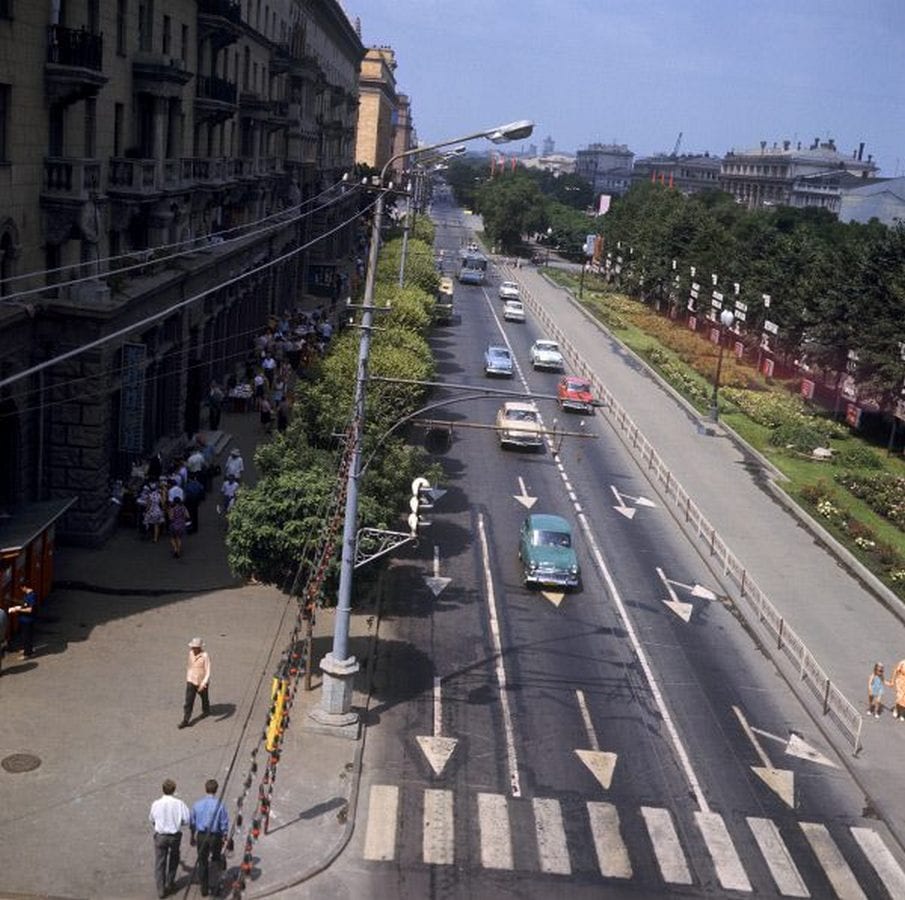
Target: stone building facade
<point>607,167</point>
<point>378,114</point>
<point>157,163</point>
<point>688,173</point>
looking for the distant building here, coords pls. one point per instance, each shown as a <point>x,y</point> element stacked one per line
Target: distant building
<point>688,173</point>
<point>784,175</point>
<point>883,200</point>
<point>557,163</point>
<point>607,167</point>
<point>404,131</point>
<point>547,147</point>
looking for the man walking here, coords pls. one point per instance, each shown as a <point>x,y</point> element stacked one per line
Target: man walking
<point>197,679</point>
<point>168,816</point>
<point>209,824</point>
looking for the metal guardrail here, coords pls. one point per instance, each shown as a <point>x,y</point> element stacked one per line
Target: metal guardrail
<point>754,604</point>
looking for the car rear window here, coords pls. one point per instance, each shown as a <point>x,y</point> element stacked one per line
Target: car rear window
<point>551,539</point>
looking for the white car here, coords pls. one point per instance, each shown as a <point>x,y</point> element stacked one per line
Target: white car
<point>518,425</point>
<point>545,354</point>
<point>509,290</point>
<point>513,311</point>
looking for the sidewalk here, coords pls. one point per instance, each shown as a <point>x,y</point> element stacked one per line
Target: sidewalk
<point>847,624</point>
<point>96,711</point>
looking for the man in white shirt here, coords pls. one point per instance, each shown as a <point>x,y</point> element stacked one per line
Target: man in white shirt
<point>235,464</point>
<point>175,490</point>
<point>169,815</point>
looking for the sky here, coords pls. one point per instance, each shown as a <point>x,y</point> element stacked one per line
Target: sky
<point>727,74</point>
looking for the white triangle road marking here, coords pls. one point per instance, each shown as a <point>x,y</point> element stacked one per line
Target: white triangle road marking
<point>437,750</point>
<point>601,764</point>
<point>780,781</point>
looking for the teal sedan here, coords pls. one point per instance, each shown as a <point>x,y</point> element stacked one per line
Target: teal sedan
<point>547,552</point>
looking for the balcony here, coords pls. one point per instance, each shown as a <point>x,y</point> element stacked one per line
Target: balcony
<point>215,99</point>
<point>73,70</point>
<point>280,59</point>
<point>133,177</point>
<point>159,75</point>
<point>253,106</point>
<point>71,180</point>
<point>219,21</point>
<point>279,115</point>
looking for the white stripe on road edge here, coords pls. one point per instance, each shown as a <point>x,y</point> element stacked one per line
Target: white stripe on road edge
<point>383,811</point>
<point>496,842</point>
<point>729,869</point>
<point>773,849</point>
<point>552,848</point>
<point>667,849</point>
<point>882,860</point>
<point>834,865</point>
<point>514,784</point>
<point>612,854</point>
<point>439,836</point>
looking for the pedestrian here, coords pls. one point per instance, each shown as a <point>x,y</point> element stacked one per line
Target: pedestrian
<point>283,415</point>
<point>26,619</point>
<point>194,494</point>
<point>228,489</point>
<point>174,490</point>
<point>197,681</point>
<point>209,824</point>
<point>179,522</point>
<point>875,691</point>
<point>168,816</point>
<point>266,415</point>
<point>151,500</point>
<point>214,406</point>
<point>235,465</point>
<point>4,631</point>
<point>898,683</point>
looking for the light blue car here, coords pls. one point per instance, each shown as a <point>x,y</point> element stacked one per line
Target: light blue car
<point>498,361</point>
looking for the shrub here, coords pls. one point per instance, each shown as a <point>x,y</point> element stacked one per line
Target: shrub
<point>798,436</point>
<point>858,458</point>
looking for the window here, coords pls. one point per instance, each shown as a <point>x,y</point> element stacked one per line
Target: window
<point>6,9</point>
<point>185,44</point>
<point>167,35</point>
<point>94,18</point>
<point>4,121</point>
<point>246,70</point>
<point>121,13</point>
<point>117,129</point>
<point>90,127</point>
<point>146,26</point>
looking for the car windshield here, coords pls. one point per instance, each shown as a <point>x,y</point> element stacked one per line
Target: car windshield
<point>547,345</point>
<point>499,351</point>
<point>521,415</point>
<point>551,539</point>
<point>578,386</point>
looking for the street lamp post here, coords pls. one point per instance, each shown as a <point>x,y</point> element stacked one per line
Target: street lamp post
<point>335,714</point>
<point>726,319</point>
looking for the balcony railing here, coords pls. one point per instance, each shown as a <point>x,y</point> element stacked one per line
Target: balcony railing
<point>211,87</point>
<point>71,179</point>
<point>134,176</point>
<point>225,9</point>
<point>71,47</point>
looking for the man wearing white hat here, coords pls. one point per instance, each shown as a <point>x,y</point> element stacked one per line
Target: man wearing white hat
<point>197,680</point>
<point>234,465</point>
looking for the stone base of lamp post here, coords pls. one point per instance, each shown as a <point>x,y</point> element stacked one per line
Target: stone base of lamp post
<point>334,715</point>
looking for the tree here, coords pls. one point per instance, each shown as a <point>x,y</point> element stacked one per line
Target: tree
<point>511,206</point>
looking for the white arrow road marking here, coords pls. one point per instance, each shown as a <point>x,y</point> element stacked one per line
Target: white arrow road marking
<point>643,501</point>
<point>436,748</point>
<point>600,763</point>
<point>514,782</point>
<point>680,608</point>
<point>780,781</point>
<point>554,597</point>
<point>696,590</point>
<point>524,498</point>
<point>627,511</point>
<point>798,746</point>
<point>436,582</point>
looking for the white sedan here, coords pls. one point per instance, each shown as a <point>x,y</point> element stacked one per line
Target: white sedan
<point>509,290</point>
<point>513,311</point>
<point>545,354</point>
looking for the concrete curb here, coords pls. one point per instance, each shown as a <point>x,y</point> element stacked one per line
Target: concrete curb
<point>890,600</point>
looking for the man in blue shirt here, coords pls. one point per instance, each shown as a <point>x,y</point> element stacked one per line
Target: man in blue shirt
<point>26,621</point>
<point>209,824</point>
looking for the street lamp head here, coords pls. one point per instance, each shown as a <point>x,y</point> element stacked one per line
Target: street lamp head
<point>514,131</point>
<point>727,317</point>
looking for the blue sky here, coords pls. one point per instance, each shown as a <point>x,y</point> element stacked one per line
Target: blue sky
<point>726,73</point>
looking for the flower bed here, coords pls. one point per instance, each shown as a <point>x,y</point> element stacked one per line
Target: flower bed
<point>883,493</point>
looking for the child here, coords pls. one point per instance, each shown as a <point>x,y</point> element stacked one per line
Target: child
<point>875,691</point>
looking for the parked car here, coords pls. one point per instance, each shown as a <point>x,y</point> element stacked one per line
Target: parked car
<point>498,361</point>
<point>518,425</point>
<point>575,393</point>
<point>547,553</point>
<point>513,311</point>
<point>545,354</point>
<point>509,290</point>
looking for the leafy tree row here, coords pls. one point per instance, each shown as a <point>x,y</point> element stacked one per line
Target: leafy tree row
<point>273,521</point>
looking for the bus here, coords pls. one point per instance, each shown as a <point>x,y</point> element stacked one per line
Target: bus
<point>472,267</point>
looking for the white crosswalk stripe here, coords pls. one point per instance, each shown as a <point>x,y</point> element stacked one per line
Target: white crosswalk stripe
<point>881,859</point>
<point>552,848</point>
<point>438,833</point>
<point>667,849</point>
<point>496,842</point>
<point>612,854</point>
<point>729,869</point>
<point>383,811</point>
<point>775,853</point>
<point>834,865</point>
<point>499,815</point>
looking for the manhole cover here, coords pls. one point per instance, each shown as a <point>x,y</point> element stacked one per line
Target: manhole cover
<point>20,762</point>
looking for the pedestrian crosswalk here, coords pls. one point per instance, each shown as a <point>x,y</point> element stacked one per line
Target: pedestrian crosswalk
<point>567,833</point>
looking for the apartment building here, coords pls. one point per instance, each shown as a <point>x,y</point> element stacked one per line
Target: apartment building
<point>607,167</point>
<point>689,173</point>
<point>133,132</point>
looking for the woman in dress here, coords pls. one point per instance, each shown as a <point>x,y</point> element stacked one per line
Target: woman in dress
<point>898,684</point>
<point>179,520</point>
<point>153,503</point>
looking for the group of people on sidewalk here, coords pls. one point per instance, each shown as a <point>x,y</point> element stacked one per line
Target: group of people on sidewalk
<point>875,684</point>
